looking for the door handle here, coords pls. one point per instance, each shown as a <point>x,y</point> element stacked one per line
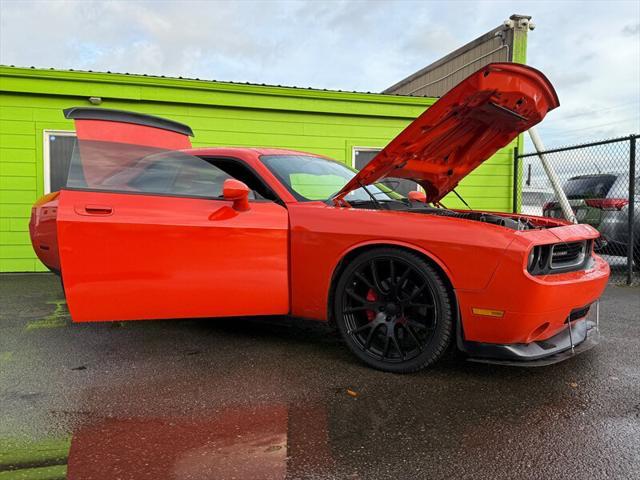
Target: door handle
<point>96,210</point>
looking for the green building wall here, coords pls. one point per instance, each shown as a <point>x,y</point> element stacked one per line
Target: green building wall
<point>324,122</point>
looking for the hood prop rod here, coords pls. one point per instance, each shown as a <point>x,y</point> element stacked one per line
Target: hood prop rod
<point>461,199</point>
<point>567,211</point>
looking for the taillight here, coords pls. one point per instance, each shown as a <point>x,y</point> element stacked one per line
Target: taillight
<point>607,203</point>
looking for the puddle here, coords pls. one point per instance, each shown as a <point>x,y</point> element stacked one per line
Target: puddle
<point>58,319</point>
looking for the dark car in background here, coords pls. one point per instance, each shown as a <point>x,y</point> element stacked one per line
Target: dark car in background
<point>602,201</point>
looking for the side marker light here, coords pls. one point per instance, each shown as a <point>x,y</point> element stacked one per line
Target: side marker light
<point>485,312</point>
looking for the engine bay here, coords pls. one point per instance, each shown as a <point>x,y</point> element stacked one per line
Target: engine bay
<point>517,223</point>
<point>511,221</point>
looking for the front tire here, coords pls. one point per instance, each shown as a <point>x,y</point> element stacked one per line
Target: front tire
<point>393,310</point>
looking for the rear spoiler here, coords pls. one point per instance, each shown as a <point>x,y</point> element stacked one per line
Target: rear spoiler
<point>121,116</point>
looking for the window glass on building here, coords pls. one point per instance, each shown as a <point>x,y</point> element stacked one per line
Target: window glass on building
<point>363,155</point>
<point>58,149</point>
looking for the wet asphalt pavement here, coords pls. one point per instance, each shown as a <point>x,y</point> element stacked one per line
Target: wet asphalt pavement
<point>274,398</point>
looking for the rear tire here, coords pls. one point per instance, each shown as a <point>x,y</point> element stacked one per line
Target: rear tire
<point>393,310</point>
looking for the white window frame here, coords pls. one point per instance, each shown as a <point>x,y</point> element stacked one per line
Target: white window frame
<point>355,149</point>
<point>369,149</point>
<point>46,153</point>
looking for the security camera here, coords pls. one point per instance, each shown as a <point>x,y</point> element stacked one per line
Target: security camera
<point>532,26</point>
<point>508,23</point>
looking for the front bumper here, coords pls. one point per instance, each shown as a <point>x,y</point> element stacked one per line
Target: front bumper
<point>579,336</point>
<point>534,308</point>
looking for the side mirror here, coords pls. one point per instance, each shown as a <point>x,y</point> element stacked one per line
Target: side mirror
<point>237,192</point>
<point>416,196</point>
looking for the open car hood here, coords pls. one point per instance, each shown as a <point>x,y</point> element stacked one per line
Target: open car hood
<point>462,129</point>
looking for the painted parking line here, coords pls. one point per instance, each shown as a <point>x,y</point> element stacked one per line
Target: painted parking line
<point>58,319</point>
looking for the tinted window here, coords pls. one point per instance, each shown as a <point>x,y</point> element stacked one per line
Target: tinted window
<point>157,177</point>
<point>591,186</point>
<point>119,167</point>
<point>179,174</point>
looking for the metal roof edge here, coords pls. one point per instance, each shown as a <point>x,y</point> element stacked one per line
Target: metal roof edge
<point>457,52</point>
<point>196,83</point>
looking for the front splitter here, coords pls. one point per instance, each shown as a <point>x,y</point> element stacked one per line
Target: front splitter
<point>582,335</point>
<point>593,338</point>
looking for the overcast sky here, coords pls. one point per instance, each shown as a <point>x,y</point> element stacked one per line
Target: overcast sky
<point>589,49</point>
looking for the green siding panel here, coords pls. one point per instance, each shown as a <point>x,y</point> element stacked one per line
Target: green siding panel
<point>14,238</point>
<point>19,265</point>
<point>10,169</point>
<point>17,141</point>
<point>12,210</point>
<point>18,224</point>
<point>324,122</point>
<point>11,252</point>
<point>17,155</point>
<point>17,127</point>
<point>17,183</point>
<point>14,113</point>
<point>18,196</point>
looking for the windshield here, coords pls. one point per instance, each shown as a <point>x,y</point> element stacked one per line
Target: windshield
<point>314,178</point>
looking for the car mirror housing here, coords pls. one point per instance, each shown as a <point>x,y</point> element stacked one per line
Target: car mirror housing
<point>416,196</point>
<point>237,192</point>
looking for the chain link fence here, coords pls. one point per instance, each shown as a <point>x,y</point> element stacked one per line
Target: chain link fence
<point>601,182</point>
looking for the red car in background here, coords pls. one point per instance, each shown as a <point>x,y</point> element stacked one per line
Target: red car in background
<point>149,228</point>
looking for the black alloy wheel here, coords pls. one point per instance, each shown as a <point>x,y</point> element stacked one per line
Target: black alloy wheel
<point>393,310</point>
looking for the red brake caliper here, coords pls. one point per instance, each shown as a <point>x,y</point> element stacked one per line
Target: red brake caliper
<point>372,297</point>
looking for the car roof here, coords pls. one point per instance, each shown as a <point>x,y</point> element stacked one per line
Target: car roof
<point>254,150</point>
<point>595,175</point>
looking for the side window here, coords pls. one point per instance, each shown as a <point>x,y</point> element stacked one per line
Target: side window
<point>58,147</point>
<point>119,167</point>
<point>363,155</point>
<point>178,174</point>
<point>157,177</point>
<point>238,170</point>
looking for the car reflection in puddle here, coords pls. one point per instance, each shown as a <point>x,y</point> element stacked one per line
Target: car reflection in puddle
<point>267,442</point>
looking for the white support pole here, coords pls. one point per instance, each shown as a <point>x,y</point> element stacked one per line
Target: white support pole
<point>553,178</point>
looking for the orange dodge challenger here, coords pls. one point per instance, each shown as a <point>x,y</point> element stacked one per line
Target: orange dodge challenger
<point>149,228</point>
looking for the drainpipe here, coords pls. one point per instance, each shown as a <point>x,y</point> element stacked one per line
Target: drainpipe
<point>553,178</point>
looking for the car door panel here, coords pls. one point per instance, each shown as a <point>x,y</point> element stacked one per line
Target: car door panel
<point>132,257</point>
